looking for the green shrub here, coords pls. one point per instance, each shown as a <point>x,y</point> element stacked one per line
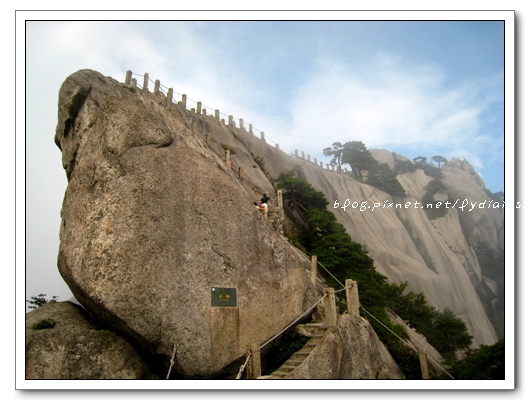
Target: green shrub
<point>43,324</point>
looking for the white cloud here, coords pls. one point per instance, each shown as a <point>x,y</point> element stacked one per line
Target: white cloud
<point>408,106</point>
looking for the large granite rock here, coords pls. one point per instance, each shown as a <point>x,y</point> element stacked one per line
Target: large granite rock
<point>154,222</point>
<point>63,342</point>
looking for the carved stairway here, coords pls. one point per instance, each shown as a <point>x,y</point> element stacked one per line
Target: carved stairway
<point>315,332</point>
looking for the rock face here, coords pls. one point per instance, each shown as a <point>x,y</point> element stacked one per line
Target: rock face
<point>436,257</point>
<point>158,224</point>
<point>154,223</point>
<point>62,342</point>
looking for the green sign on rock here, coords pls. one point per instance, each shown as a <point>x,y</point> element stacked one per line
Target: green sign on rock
<point>224,297</point>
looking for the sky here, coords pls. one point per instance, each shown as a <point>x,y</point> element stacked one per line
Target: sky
<point>419,86</point>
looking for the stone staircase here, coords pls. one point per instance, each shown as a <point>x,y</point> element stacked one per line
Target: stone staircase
<point>315,332</point>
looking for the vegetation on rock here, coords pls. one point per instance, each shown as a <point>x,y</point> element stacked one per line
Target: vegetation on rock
<point>364,167</point>
<point>320,234</point>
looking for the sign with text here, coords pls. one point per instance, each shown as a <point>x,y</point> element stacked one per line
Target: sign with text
<point>224,297</point>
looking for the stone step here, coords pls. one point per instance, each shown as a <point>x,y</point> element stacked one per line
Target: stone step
<point>315,332</point>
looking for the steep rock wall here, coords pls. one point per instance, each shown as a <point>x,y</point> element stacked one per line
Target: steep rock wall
<point>153,221</point>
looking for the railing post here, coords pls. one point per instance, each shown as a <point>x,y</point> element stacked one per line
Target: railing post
<point>169,97</point>
<point>254,364</point>
<point>330,308</point>
<point>184,100</point>
<point>157,87</point>
<point>279,195</point>
<point>296,153</point>
<point>146,82</point>
<point>352,297</point>
<point>128,77</point>
<point>241,124</point>
<point>262,136</point>
<point>199,107</point>
<point>250,129</point>
<point>423,364</point>
<point>217,115</point>
<point>313,269</point>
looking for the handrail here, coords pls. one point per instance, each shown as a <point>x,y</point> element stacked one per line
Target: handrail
<point>129,77</point>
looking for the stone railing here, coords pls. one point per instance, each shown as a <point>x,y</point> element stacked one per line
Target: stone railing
<point>131,80</point>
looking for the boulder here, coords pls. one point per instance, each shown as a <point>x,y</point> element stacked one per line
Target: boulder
<point>155,226</point>
<point>63,342</point>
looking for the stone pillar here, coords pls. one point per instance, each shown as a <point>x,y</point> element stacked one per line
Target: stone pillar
<point>128,76</point>
<point>254,363</point>
<point>184,98</point>
<point>169,97</point>
<point>230,120</point>
<point>250,129</point>
<point>133,82</point>
<point>423,364</point>
<point>262,136</point>
<point>330,308</point>
<point>199,107</point>
<point>277,146</point>
<point>327,167</point>
<point>321,165</point>
<point>157,86</point>
<point>217,115</point>
<point>313,269</point>
<point>303,155</point>
<point>146,82</point>
<point>309,157</point>
<point>296,153</point>
<point>352,297</point>
<point>241,124</point>
<point>316,162</point>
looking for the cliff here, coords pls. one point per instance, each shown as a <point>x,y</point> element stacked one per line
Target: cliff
<point>158,224</point>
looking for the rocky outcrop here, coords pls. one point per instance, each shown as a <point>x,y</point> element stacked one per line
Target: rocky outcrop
<point>63,342</point>
<point>154,223</point>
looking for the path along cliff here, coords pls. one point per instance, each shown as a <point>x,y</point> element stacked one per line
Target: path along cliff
<point>157,222</point>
